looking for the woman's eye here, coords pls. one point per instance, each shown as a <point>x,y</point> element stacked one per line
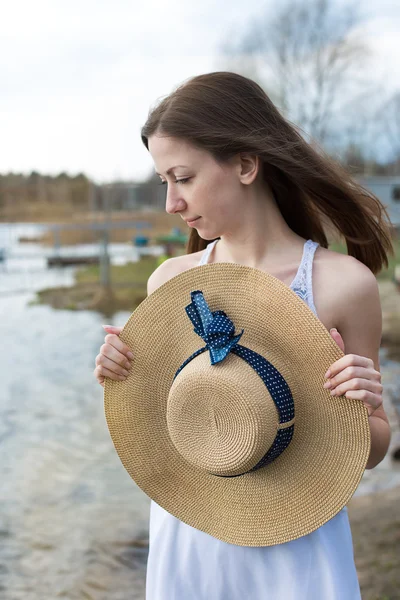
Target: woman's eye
<point>183,181</point>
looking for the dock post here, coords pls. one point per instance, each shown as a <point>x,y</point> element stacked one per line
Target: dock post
<point>104,256</point>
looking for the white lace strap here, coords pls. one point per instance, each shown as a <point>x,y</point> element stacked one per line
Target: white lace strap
<point>207,252</point>
<point>302,283</point>
<point>309,263</point>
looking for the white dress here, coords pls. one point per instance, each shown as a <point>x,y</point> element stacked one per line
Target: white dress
<point>187,564</point>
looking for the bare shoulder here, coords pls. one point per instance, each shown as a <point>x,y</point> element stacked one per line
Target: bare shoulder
<point>340,284</point>
<point>170,268</point>
<point>343,268</point>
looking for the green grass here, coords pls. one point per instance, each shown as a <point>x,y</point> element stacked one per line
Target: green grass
<point>133,273</point>
<point>128,288</point>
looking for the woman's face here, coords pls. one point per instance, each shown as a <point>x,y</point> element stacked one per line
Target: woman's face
<point>198,187</point>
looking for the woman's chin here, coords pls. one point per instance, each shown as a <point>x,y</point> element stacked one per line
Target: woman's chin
<point>206,234</point>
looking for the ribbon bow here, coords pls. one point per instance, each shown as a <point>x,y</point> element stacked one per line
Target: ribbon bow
<point>215,328</point>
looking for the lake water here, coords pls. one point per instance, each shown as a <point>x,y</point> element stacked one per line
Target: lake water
<point>73,525</point>
<point>72,522</point>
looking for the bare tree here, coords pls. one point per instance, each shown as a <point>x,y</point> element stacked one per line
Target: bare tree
<point>389,117</point>
<point>361,145</point>
<point>310,58</point>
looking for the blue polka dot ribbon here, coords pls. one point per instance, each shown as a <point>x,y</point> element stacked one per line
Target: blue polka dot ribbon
<point>218,331</point>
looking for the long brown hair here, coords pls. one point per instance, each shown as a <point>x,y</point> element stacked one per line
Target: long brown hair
<point>226,113</point>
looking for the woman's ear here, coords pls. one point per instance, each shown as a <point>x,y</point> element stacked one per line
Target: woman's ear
<point>249,165</point>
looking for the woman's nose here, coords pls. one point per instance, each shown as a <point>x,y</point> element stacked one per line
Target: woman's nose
<point>173,201</point>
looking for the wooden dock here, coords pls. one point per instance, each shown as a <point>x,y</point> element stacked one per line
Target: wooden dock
<point>67,261</point>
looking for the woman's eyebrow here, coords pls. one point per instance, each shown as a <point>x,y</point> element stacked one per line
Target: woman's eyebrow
<point>172,168</point>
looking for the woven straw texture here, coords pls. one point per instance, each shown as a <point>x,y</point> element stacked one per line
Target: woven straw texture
<point>309,483</point>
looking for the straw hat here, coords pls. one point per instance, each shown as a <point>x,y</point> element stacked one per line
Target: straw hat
<point>223,420</point>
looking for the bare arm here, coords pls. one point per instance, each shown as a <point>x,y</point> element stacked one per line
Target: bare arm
<point>360,325</point>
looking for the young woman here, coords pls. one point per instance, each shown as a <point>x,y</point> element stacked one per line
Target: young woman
<point>254,192</point>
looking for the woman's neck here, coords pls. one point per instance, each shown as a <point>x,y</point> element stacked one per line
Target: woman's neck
<point>262,241</point>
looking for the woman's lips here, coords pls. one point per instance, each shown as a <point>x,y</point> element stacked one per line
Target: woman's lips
<point>190,223</point>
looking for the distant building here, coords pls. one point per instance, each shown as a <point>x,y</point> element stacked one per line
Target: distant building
<point>387,189</point>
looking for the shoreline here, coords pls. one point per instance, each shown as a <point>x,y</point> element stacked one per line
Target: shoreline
<point>374,513</point>
<point>375,527</point>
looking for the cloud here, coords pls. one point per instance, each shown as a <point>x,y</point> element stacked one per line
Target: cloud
<point>78,78</point>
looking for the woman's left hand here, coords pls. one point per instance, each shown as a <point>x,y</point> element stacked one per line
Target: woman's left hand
<point>355,377</point>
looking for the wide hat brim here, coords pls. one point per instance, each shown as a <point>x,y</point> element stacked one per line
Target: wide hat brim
<point>315,476</point>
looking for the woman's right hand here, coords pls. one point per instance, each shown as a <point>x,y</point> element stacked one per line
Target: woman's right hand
<point>114,358</point>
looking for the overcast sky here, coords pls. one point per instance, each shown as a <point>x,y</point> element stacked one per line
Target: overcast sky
<point>77,78</point>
